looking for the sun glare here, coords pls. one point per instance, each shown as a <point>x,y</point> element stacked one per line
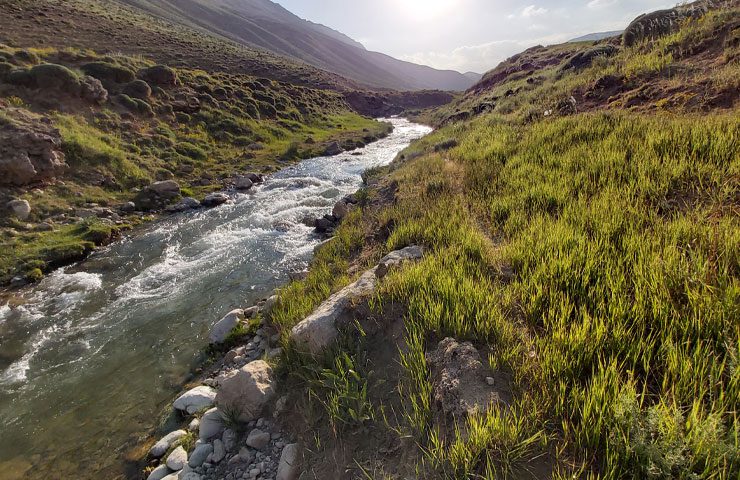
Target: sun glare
<point>425,9</point>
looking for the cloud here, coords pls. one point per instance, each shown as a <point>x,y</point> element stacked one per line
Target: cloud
<point>529,12</point>
<point>483,57</point>
<point>601,3</point>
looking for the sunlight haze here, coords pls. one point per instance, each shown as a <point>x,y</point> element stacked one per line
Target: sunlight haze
<point>468,35</point>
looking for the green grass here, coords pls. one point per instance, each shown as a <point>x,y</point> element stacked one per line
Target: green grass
<point>597,257</point>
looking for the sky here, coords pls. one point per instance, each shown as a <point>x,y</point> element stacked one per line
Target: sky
<point>468,35</point>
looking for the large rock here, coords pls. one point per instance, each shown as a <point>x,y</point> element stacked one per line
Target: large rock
<point>219,451</point>
<point>341,210</point>
<point>20,209</point>
<point>215,199</point>
<point>161,447</point>
<point>195,399</point>
<point>460,380</point>
<point>243,183</point>
<point>258,439</point>
<point>159,75</point>
<point>289,462</point>
<point>200,454</point>
<point>585,58</point>
<point>398,257</point>
<point>333,149</point>
<point>157,195</point>
<point>320,329</point>
<point>177,459</point>
<point>30,149</point>
<point>661,22</point>
<point>247,391</point>
<point>187,203</point>
<point>211,424</point>
<point>159,473</point>
<point>221,330</point>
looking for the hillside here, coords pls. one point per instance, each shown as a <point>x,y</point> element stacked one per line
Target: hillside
<point>574,310</point>
<point>595,37</point>
<point>83,134</point>
<point>267,25</point>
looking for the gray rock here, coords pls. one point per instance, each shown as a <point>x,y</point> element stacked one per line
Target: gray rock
<point>341,210</point>
<point>289,462</point>
<point>194,425</point>
<point>270,304</point>
<point>164,444</point>
<point>247,391</point>
<point>211,424</point>
<point>195,399</point>
<point>229,439</point>
<point>177,459</point>
<point>319,330</point>
<point>159,473</point>
<point>215,199</point>
<point>187,203</point>
<point>333,149</point>
<point>258,439</point>
<point>222,328</point>
<point>243,183</point>
<point>190,476</point>
<point>398,257</point>
<point>21,209</point>
<point>200,454</point>
<point>219,451</point>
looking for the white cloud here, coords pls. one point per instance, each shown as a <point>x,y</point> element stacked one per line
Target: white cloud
<point>483,57</point>
<point>529,12</point>
<point>601,3</point>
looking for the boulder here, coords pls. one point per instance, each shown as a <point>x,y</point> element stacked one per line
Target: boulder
<point>398,257</point>
<point>341,210</point>
<point>219,451</point>
<point>177,459</point>
<point>228,440</point>
<point>221,330</point>
<point>320,329</point>
<point>243,183</point>
<point>258,439</point>
<point>211,424</point>
<point>247,391</point>
<point>333,149</point>
<point>157,195</point>
<point>270,305</point>
<point>661,22</point>
<point>215,199</point>
<point>289,462</point>
<point>30,149</point>
<point>199,455</point>
<point>459,380</point>
<point>195,399</point>
<point>164,444</point>
<point>324,225</point>
<point>20,209</point>
<point>255,177</point>
<point>586,58</point>
<point>159,473</point>
<point>187,203</point>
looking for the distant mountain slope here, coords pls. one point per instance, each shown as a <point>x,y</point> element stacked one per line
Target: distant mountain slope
<point>268,25</point>
<point>594,37</point>
<point>473,76</point>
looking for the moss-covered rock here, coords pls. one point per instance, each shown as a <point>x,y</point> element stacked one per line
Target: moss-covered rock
<point>50,76</point>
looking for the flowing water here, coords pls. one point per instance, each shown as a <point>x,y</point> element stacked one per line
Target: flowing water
<point>91,355</point>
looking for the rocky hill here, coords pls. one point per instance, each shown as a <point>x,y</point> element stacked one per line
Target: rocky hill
<point>682,59</point>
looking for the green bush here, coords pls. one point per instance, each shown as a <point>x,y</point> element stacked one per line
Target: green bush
<point>137,89</point>
<point>54,77</point>
<point>108,73</point>
<point>192,151</point>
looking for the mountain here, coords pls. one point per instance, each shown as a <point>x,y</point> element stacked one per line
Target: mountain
<point>594,37</point>
<point>268,25</point>
<point>475,77</point>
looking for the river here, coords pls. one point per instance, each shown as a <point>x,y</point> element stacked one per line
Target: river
<point>91,355</point>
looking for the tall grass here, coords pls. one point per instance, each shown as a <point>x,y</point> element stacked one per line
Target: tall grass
<point>598,257</point>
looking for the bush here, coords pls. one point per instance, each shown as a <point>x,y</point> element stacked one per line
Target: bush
<point>54,77</point>
<point>137,89</point>
<point>108,73</point>
<point>134,105</point>
<point>159,75</point>
<point>24,56</point>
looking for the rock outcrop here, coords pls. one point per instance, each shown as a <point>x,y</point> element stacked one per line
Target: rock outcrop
<point>247,391</point>
<point>395,259</point>
<point>662,22</point>
<point>30,149</point>
<point>460,380</point>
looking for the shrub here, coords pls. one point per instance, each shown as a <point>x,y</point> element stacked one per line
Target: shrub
<point>108,73</point>
<point>159,75</point>
<point>54,77</point>
<point>137,89</point>
<point>191,151</point>
<point>24,56</point>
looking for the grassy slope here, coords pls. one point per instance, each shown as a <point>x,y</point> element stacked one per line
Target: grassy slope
<point>201,149</point>
<point>595,256</point>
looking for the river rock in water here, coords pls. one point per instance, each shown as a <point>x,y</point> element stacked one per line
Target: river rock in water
<point>161,447</point>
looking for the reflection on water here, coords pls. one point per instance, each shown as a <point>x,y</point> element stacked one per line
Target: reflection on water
<point>89,356</point>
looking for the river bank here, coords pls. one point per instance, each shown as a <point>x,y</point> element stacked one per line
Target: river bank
<point>112,339</point>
